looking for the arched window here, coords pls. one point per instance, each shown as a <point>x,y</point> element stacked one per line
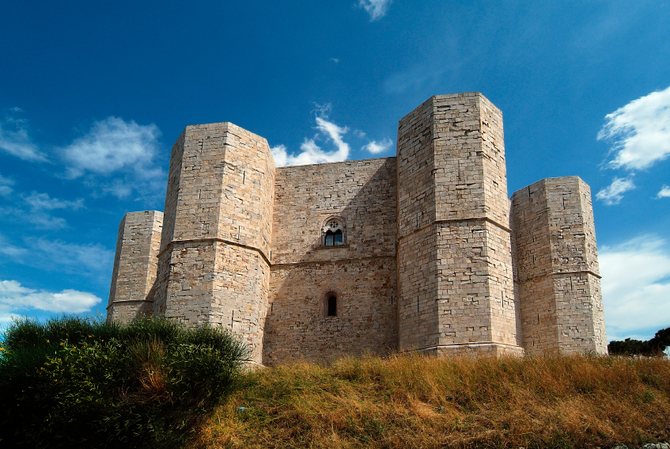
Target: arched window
<point>333,232</point>
<point>332,305</point>
<point>334,238</point>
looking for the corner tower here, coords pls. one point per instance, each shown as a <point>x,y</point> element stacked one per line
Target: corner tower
<point>135,265</point>
<point>455,284</point>
<point>214,262</point>
<point>557,269</point>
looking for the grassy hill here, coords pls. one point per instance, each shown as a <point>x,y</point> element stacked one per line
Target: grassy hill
<point>421,402</point>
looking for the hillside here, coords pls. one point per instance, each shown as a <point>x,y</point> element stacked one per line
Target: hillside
<point>428,403</point>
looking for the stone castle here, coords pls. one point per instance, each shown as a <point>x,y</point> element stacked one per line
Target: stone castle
<point>419,252</point>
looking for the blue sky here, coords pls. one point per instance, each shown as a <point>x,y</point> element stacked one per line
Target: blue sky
<point>93,95</point>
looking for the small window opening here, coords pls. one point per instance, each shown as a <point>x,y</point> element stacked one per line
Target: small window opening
<point>334,238</point>
<point>333,232</point>
<point>332,306</point>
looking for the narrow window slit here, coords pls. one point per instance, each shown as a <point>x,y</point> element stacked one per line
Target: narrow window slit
<point>332,305</point>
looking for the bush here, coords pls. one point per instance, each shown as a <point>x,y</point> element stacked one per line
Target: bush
<point>76,382</point>
<point>650,348</point>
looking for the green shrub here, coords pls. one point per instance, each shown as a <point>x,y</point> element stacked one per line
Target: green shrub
<point>75,382</point>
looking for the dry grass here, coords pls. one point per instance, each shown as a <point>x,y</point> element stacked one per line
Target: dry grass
<point>149,371</point>
<point>422,402</point>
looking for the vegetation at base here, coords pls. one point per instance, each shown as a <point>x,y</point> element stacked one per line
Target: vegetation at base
<point>425,402</point>
<point>84,383</point>
<point>650,348</point>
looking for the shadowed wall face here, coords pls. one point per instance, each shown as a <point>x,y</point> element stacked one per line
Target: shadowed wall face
<point>359,274</point>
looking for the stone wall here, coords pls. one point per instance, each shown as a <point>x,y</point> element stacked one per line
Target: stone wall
<point>428,260</point>
<point>557,268</point>
<point>135,265</point>
<point>360,273</point>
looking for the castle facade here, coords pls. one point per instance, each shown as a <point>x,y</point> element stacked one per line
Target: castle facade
<point>419,252</point>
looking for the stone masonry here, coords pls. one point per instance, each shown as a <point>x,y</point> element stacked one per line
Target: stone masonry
<point>419,252</point>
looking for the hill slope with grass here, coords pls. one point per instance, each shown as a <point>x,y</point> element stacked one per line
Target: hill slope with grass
<point>419,402</point>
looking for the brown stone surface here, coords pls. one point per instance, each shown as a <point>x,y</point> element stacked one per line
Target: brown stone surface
<point>427,260</point>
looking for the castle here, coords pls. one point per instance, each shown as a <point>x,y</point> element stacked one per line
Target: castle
<point>419,252</point>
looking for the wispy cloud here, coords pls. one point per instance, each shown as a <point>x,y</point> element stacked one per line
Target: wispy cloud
<point>613,194</point>
<point>6,186</point>
<point>92,260</point>
<point>375,147</point>
<point>331,133</point>
<point>639,132</point>
<point>36,209</point>
<point>416,77</point>
<point>636,287</point>
<point>42,201</point>
<point>114,146</point>
<point>38,218</point>
<point>375,8</point>
<point>17,299</point>
<point>11,251</point>
<point>311,152</point>
<point>664,193</point>
<point>14,139</point>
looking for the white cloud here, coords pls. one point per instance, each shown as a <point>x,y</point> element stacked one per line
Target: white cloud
<point>335,133</point>
<point>311,153</point>
<point>375,8</point>
<point>636,287</point>
<point>334,60</point>
<point>664,193</point>
<point>42,201</point>
<point>113,145</point>
<point>14,139</point>
<point>16,298</point>
<point>280,155</point>
<point>613,194</point>
<point>418,77</point>
<point>639,132</point>
<point>125,149</point>
<point>375,147</point>
<point>72,257</point>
